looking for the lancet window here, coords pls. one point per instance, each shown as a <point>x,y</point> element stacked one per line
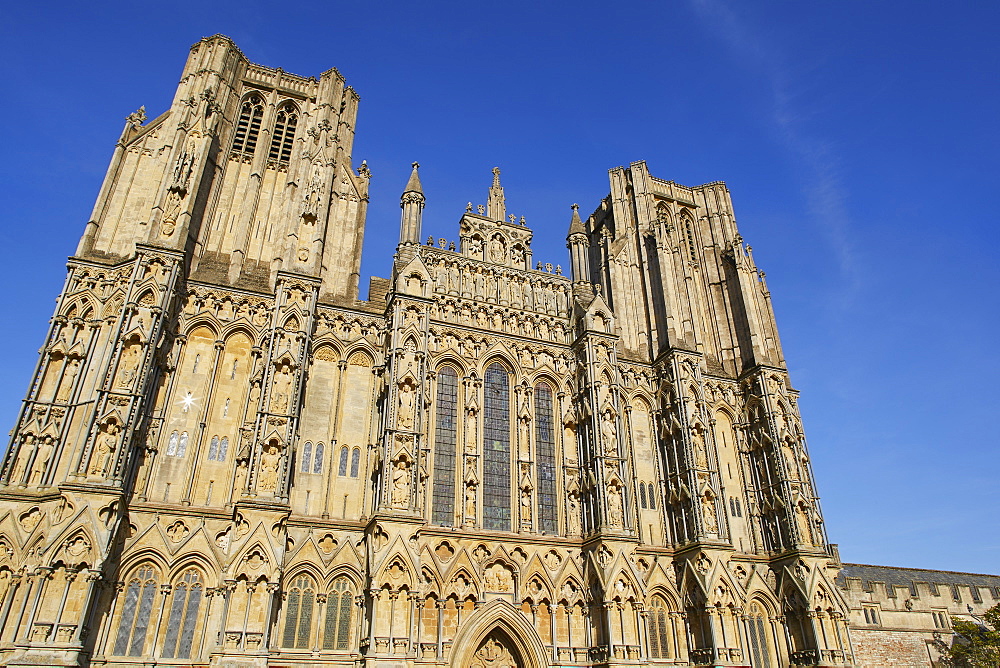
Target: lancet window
<point>445,421</point>
<point>496,449</point>
<point>248,126</point>
<point>757,634</point>
<point>299,604</point>
<point>139,596</point>
<point>545,457</point>
<point>187,594</point>
<point>318,458</point>
<point>342,468</point>
<point>217,448</point>
<point>659,636</point>
<point>177,444</point>
<point>305,466</point>
<point>355,462</point>
<point>337,625</point>
<point>284,133</point>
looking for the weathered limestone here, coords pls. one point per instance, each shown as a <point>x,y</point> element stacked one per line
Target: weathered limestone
<point>226,458</point>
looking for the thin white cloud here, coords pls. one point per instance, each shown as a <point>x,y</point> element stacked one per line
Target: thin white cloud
<point>817,156</point>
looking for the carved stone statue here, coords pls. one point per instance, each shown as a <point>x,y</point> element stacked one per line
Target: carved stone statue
<point>471,424</point>
<point>401,484</point>
<point>470,502</point>
<point>129,364</point>
<point>573,513</point>
<point>615,507</point>
<point>68,380</point>
<point>270,462</point>
<point>41,463</point>
<point>698,443</point>
<point>609,434</point>
<point>282,390</point>
<point>492,655</point>
<point>105,446</point>
<point>407,401</point>
<point>709,513</point>
<point>802,521</point>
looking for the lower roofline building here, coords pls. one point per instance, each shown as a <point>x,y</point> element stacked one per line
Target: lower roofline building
<point>226,458</point>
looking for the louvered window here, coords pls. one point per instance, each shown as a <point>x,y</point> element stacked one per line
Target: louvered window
<point>546,459</point>
<point>445,420</point>
<point>248,126</point>
<point>284,133</point>
<point>496,449</point>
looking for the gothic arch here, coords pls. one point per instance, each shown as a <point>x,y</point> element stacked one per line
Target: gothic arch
<point>452,360</point>
<point>503,621</point>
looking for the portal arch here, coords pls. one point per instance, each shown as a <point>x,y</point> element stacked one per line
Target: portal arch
<point>499,636</point>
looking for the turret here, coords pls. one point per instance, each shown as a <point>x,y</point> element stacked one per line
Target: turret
<point>496,208</point>
<point>412,204</point>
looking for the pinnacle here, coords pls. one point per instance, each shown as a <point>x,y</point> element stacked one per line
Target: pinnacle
<point>575,224</point>
<point>413,185</point>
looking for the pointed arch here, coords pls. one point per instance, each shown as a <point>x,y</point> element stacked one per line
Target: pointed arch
<point>300,599</point>
<point>139,595</point>
<point>248,125</point>
<point>501,621</point>
<point>285,122</point>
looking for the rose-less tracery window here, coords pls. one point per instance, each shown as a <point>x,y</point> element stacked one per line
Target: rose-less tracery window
<point>337,627</point>
<point>139,595</point>
<point>545,456</point>
<point>445,419</point>
<point>299,603</point>
<point>496,449</point>
<point>183,615</point>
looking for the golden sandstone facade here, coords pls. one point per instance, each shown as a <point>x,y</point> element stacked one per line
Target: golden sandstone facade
<point>226,458</point>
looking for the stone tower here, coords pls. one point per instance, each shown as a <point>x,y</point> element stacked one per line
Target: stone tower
<point>225,457</point>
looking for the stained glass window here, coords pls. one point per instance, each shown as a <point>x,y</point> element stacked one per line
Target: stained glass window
<point>652,496</point>
<point>138,604</point>
<point>355,461</point>
<point>183,615</point>
<point>496,449</point>
<point>445,420</point>
<point>642,495</point>
<point>545,459</point>
<point>223,447</point>
<point>760,657</point>
<point>306,465</point>
<point>298,613</point>
<point>659,639</point>
<point>318,459</point>
<point>342,469</point>
<point>213,448</point>
<point>336,628</point>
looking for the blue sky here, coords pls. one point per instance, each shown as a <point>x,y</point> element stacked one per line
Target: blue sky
<point>859,140</point>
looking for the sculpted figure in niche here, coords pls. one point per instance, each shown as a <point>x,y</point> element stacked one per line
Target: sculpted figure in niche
<point>68,380</point>
<point>711,519</point>
<point>615,507</point>
<point>526,504</point>
<point>497,251</point>
<point>471,424</point>
<point>105,446</point>
<point>698,443</point>
<point>791,461</point>
<point>493,655</point>
<point>401,484</point>
<point>470,503</point>
<point>573,513</point>
<point>407,405</point>
<point>270,462</point>
<point>802,520</point>
<point>41,463</point>
<point>282,389</point>
<point>129,364</point>
<point>609,433</point>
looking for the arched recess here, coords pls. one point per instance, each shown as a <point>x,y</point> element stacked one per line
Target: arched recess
<point>500,622</point>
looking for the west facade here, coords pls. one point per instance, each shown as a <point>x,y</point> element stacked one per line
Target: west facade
<point>226,458</point>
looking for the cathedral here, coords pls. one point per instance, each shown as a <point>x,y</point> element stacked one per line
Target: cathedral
<point>226,458</point>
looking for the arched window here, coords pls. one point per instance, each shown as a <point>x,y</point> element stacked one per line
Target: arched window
<point>445,432</point>
<point>337,626</point>
<point>496,449</point>
<point>138,604</point>
<point>284,133</point>
<point>172,444</point>
<point>306,465</point>
<point>248,126</point>
<point>342,469</point>
<point>355,462</point>
<point>318,458</point>
<point>182,444</point>
<point>689,237</point>
<point>223,448</point>
<point>183,615</point>
<point>213,448</point>
<point>652,496</point>
<point>659,638</point>
<point>757,633</point>
<point>298,613</point>
<point>642,495</point>
<point>545,457</point>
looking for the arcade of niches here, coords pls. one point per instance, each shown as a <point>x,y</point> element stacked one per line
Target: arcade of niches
<point>226,458</point>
